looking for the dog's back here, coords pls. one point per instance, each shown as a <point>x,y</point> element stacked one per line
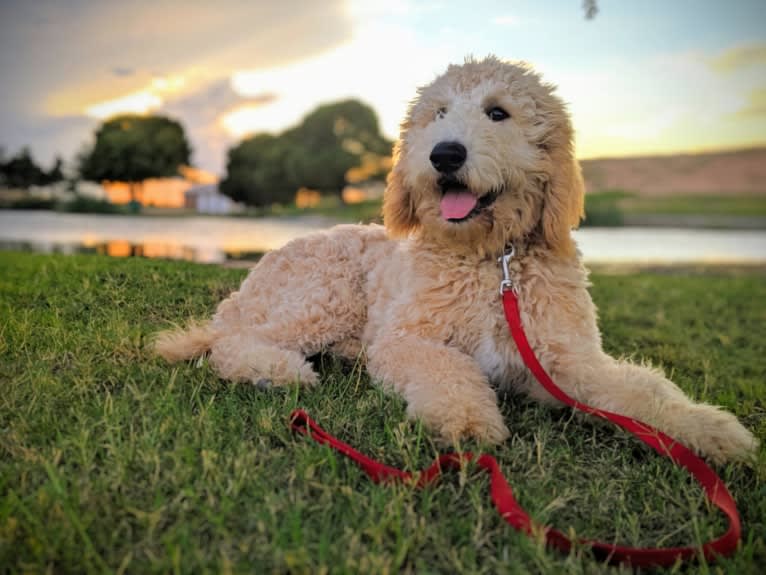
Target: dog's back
<point>305,297</point>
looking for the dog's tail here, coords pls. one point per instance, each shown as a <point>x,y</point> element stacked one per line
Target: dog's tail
<point>184,343</point>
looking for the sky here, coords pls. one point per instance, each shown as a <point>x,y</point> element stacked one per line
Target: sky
<point>643,77</point>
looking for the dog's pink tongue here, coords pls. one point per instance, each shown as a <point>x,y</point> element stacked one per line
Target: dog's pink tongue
<point>456,205</point>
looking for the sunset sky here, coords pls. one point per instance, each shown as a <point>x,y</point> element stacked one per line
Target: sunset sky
<point>643,77</point>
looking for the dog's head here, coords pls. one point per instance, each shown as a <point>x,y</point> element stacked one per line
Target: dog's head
<point>485,157</point>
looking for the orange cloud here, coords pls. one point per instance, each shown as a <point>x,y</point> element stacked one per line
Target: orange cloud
<point>136,103</point>
<point>140,102</point>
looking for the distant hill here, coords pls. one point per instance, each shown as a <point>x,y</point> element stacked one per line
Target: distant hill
<point>717,173</point>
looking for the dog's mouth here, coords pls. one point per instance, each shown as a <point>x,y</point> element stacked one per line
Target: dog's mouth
<point>459,203</point>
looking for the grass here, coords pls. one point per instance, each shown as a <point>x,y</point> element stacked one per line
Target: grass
<point>605,208</point>
<point>746,205</point>
<point>79,205</point>
<point>613,207</point>
<point>332,206</point>
<point>112,461</point>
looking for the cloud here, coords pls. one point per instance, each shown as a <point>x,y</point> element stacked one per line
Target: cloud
<point>201,112</point>
<point>57,59</point>
<point>206,102</point>
<point>755,107</point>
<point>140,102</point>
<point>376,8</point>
<point>123,71</point>
<point>383,66</point>
<point>48,137</point>
<point>740,57</point>
<point>135,103</point>
<point>168,38</point>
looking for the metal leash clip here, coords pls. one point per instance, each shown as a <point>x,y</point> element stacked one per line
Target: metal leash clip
<point>507,283</point>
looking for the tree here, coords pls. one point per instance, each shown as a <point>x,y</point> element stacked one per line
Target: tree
<point>591,9</point>
<point>56,173</point>
<point>331,140</point>
<point>255,171</point>
<point>316,154</point>
<point>133,148</point>
<point>21,171</point>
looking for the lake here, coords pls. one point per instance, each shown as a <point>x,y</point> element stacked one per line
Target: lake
<point>218,239</point>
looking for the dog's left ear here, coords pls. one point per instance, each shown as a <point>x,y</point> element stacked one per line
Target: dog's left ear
<point>565,194</point>
<point>398,204</point>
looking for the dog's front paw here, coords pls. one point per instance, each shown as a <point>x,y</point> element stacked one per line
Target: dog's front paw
<point>718,435</point>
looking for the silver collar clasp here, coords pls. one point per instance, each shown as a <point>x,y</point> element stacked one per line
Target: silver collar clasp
<point>507,283</point>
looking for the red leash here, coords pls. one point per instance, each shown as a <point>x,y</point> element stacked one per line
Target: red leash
<point>502,495</point>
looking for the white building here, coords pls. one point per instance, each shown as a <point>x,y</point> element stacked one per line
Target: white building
<point>207,199</point>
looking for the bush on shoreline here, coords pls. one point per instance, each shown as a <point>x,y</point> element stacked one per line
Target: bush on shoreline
<point>79,205</point>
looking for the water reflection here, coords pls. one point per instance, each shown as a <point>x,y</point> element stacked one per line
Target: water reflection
<point>125,249</point>
<point>200,239</point>
<point>219,239</point>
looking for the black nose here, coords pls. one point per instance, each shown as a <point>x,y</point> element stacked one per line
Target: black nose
<point>447,157</point>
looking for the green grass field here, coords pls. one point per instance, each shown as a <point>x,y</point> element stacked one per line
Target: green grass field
<point>369,211</point>
<point>613,208</point>
<point>112,461</point>
<point>606,208</point>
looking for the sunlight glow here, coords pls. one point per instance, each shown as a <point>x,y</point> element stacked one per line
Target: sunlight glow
<point>628,103</point>
<point>368,68</point>
<point>141,102</point>
<point>243,121</point>
<point>168,85</point>
<point>136,103</point>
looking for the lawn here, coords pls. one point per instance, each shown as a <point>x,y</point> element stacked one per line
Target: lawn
<point>333,207</point>
<point>112,461</point>
<point>605,208</point>
<point>617,207</point>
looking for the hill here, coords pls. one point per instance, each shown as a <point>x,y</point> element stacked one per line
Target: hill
<point>737,172</point>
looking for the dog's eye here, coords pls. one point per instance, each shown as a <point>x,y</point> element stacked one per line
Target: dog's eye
<point>440,113</point>
<point>497,114</point>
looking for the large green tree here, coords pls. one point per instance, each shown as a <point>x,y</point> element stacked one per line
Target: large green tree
<point>133,148</point>
<point>317,154</point>
<point>330,141</point>
<point>255,171</point>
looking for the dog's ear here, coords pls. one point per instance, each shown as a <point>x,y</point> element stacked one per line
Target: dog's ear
<point>398,204</point>
<point>564,205</point>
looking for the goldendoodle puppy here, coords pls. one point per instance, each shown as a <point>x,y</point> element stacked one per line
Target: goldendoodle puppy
<point>485,161</point>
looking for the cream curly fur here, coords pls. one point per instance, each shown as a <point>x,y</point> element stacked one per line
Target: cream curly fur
<point>420,295</point>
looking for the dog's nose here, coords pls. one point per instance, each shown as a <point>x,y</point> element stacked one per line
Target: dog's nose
<point>447,157</point>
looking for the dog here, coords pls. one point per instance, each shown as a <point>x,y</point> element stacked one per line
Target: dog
<point>485,161</point>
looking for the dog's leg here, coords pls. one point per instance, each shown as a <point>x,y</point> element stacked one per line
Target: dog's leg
<point>645,394</point>
<point>243,357</point>
<point>442,386</point>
